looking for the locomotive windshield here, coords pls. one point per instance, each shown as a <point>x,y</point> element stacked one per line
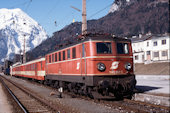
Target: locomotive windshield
<point>122,48</point>
<point>103,47</point>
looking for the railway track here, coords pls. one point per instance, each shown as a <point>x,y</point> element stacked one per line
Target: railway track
<point>10,94</point>
<point>136,106</point>
<point>28,102</point>
<point>125,105</point>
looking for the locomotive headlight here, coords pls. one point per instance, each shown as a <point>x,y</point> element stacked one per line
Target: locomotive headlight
<point>101,67</point>
<point>128,66</point>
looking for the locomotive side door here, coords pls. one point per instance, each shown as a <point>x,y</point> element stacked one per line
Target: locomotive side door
<point>83,62</point>
<point>36,69</point>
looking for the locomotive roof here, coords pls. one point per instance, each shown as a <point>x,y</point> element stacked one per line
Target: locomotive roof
<point>29,62</point>
<point>91,37</point>
<point>104,37</point>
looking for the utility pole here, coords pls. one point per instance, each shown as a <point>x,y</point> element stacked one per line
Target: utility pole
<point>84,21</point>
<point>24,54</point>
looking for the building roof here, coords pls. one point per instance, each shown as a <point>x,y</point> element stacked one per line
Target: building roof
<point>141,38</point>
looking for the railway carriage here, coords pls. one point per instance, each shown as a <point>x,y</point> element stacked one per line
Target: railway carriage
<point>34,69</point>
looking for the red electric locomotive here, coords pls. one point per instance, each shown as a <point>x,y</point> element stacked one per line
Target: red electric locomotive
<point>98,64</point>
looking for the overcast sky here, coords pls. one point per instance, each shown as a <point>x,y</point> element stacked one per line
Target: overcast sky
<point>46,12</point>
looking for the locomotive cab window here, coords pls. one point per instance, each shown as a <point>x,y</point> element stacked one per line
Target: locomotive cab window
<point>104,47</point>
<point>68,54</point>
<point>52,57</point>
<point>63,55</point>
<point>49,58</point>
<point>83,50</point>
<point>55,57</point>
<point>59,56</point>
<point>73,52</point>
<point>122,48</point>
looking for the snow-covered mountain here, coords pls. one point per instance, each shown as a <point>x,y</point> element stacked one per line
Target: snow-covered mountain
<point>118,4</point>
<point>14,26</point>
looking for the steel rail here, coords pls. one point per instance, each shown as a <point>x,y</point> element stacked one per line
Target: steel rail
<point>147,104</point>
<point>45,102</point>
<point>14,97</point>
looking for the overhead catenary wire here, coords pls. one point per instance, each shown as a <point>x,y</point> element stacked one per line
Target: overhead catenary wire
<point>99,11</point>
<point>56,22</point>
<point>49,12</point>
<point>28,5</point>
<point>19,4</point>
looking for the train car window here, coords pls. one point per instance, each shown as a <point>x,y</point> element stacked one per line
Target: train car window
<point>36,66</point>
<point>52,57</point>
<point>104,48</point>
<point>46,60</point>
<point>73,52</point>
<point>83,50</point>
<point>41,65</point>
<point>32,67</point>
<point>63,55</point>
<point>49,58</point>
<point>55,57</point>
<point>59,56</point>
<point>122,48</point>
<point>68,53</point>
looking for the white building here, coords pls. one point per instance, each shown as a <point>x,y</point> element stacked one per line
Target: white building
<point>151,48</point>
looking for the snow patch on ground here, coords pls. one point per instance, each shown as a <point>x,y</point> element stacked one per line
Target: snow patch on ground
<point>154,83</point>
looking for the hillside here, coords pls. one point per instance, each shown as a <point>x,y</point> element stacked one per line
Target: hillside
<point>139,16</point>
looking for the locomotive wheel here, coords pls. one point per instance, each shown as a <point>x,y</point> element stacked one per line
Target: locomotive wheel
<point>70,87</point>
<point>118,95</point>
<point>84,90</point>
<point>89,93</point>
<point>41,82</point>
<point>45,82</point>
<point>56,84</point>
<point>130,95</point>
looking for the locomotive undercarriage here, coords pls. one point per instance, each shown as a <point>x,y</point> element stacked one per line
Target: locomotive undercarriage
<point>97,86</point>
